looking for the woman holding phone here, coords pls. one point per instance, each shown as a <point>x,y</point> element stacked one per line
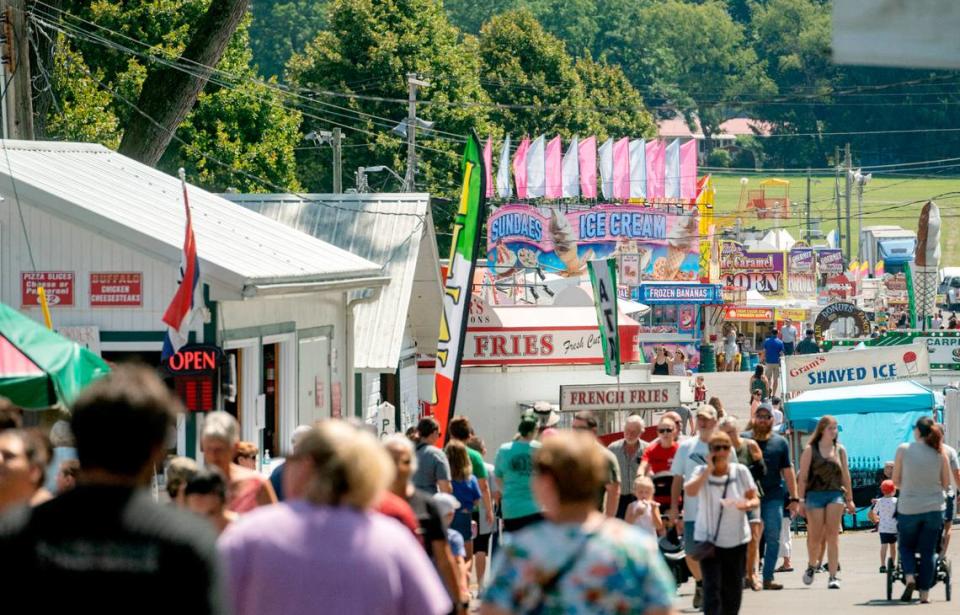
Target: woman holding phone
<point>726,491</point>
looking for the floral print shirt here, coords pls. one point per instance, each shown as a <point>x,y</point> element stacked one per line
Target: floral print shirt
<point>618,570</point>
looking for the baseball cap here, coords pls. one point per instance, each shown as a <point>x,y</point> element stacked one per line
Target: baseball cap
<point>706,411</point>
<point>764,407</point>
<point>545,413</point>
<point>446,503</point>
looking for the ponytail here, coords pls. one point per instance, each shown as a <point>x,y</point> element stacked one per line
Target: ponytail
<point>930,433</point>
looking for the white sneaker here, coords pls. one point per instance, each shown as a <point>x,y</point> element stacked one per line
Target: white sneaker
<point>833,583</point>
<point>808,575</point>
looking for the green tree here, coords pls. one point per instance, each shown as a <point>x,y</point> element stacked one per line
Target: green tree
<point>541,89</point>
<point>377,42</point>
<point>237,121</point>
<point>281,28</point>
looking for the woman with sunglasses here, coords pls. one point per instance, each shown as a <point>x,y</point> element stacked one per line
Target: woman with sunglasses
<point>825,491</point>
<point>657,459</point>
<point>726,491</point>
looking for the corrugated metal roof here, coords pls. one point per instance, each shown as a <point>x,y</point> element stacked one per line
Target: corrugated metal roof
<point>392,230</point>
<point>132,203</point>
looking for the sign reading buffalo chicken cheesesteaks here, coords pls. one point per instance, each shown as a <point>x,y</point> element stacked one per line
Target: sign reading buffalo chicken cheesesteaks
<point>122,289</point>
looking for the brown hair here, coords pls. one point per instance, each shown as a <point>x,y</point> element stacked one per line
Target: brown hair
<point>460,467</point>
<point>716,403</point>
<point>459,428</point>
<point>719,437</point>
<point>245,449</point>
<point>70,467</point>
<point>825,420</point>
<point>930,432</point>
<point>576,464</point>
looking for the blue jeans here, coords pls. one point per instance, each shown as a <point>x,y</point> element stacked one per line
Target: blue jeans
<point>919,535</point>
<point>771,513</point>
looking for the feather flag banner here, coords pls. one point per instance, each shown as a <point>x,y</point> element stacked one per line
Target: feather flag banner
<point>488,165</point>
<point>553,169</point>
<point>606,169</point>
<point>571,171</point>
<point>638,169</point>
<point>688,170</point>
<point>621,169</point>
<point>672,170</point>
<point>503,171</point>
<point>536,169</point>
<point>520,168</point>
<point>655,169</point>
<point>587,153</point>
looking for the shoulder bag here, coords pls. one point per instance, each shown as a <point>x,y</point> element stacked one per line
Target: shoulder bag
<point>705,549</point>
<point>548,586</point>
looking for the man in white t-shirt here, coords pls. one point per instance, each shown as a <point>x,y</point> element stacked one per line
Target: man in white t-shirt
<point>691,454</point>
<point>788,335</point>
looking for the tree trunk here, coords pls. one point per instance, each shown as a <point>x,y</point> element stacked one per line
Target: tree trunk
<point>168,94</point>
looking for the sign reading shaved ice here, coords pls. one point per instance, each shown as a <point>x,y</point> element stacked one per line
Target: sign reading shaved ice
<point>664,244</point>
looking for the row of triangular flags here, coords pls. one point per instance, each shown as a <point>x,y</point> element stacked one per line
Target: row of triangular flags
<point>629,169</point>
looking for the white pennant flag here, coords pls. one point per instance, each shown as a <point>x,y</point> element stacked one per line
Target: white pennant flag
<point>536,169</point>
<point>638,169</point>
<point>503,171</point>
<point>672,173</point>
<point>571,170</point>
<point>606,169</point>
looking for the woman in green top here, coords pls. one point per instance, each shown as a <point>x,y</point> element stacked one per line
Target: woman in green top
<point>759,382</point>
<point>514,469</point>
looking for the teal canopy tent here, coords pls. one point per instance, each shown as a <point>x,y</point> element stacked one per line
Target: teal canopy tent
<point>39,368</point>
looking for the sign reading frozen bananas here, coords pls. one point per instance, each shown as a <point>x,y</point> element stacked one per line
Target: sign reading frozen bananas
<point>661,244</point>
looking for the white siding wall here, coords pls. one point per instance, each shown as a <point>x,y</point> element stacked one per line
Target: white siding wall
<point>370,392</point>
<point>61,246</point>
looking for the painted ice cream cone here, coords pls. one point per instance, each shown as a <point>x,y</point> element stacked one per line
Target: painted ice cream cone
<point>682,239</point>
<point>565,244</point>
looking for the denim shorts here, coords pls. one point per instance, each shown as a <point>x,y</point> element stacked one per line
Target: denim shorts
<point>820,499</point>
<point>951,509</point>
<point>688,529</point>
<point>753,516</point>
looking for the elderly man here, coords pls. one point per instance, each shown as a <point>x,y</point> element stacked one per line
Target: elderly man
<point>628,450</point>
<point>608,499</point>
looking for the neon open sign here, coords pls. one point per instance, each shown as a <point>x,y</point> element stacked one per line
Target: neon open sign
<point>194,360</point>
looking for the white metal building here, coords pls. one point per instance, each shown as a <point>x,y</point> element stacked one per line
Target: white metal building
<point>395,231</point>
<point>104,234</point>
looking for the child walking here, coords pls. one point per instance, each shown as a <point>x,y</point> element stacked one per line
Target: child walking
<point>700,390</point>
<point>645,512</point>
<point>882,513</point>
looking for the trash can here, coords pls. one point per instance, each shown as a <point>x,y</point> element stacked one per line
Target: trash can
<point>708,358</point>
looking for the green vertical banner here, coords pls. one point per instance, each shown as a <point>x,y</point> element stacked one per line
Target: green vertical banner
<point>603,277</point>
<point>911,296</point>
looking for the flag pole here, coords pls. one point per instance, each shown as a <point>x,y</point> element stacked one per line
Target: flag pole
<point>44,307</point>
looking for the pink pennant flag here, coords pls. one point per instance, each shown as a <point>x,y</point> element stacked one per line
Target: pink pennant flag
<point>488,166</point>
<point>588,168</point>
<point>553,161</point>
<point>520,168</point>
<point>656,161</point>
<point>621,169</point>
<point>688,170</point>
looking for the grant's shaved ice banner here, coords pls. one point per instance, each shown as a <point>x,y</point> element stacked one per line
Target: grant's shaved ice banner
<point>666,245</point>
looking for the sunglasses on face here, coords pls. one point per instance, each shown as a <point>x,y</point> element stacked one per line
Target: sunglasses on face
<point>720,447</point>
<point>763,417</point>
<point>666,430</point>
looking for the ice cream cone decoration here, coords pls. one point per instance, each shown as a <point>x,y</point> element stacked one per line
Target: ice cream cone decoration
<point>565,246</point>
<point>910,360</point>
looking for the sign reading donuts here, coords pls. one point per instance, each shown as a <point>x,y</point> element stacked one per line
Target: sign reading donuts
<point>836,312</point>
<point>855,367</point>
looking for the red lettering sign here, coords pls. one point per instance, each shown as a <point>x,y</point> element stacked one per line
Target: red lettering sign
<point>58,286</point>
<point>194,360</point>
<point>124,289</point>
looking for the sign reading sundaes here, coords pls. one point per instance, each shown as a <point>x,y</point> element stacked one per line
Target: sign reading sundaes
<point>856,367</point>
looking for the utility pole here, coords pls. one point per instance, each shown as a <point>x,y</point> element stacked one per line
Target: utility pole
<point>337,179</point>
<point>808,206</point>
<point>413,82</point>
<point>847,192</point>
<point>18,97</point>
<point>836,195</point>
<point>361,180</point>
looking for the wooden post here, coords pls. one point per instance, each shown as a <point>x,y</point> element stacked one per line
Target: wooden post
<point>18,99</point>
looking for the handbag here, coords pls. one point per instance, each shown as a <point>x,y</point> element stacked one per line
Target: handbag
<point>705,549</point>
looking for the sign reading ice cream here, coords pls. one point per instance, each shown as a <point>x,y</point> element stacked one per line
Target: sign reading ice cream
<point>660,244</point>
<point>856,367</point>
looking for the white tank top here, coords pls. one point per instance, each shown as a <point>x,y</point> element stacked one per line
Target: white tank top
<point>645,521</point>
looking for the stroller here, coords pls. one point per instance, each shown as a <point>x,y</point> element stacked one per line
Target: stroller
<point>941,574</point>
<point>671,545</point>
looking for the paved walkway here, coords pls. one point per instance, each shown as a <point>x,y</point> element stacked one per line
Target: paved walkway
<point>863,588</point>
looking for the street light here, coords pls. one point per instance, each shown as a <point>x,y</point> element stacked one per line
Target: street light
<point>362,185</point>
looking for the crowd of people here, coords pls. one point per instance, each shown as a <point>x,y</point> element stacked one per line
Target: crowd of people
<point>406,524</point>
